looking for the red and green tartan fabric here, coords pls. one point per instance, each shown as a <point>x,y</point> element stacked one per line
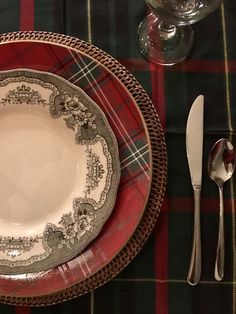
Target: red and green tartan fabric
<point>155,281</point>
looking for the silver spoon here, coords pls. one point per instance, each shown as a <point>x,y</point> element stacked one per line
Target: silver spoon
<point>221,166</point>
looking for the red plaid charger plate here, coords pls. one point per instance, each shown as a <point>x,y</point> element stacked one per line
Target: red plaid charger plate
<point>142,156</point>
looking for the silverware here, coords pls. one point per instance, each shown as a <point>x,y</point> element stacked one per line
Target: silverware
<point>221,165</point>
<point>194,146</point>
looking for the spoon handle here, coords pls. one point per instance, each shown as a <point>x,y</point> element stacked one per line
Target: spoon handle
<point>194,272</point>
<point>220,252</point>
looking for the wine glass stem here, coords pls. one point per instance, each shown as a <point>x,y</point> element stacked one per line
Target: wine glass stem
<point>166,31</point>
<point>162,42</point>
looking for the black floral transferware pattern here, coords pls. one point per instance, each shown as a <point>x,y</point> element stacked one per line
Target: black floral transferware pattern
<point>78,226</point>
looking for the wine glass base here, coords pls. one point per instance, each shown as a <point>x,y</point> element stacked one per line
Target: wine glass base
<point>164,44</point>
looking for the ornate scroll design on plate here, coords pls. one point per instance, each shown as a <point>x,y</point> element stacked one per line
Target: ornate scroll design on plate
<point>16,246</point>
<point>72,226</point>
<point>23,94</point>
<point>95,171</point>
<point>76,114</point>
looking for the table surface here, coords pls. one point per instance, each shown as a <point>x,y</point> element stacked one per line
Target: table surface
<point>155,281</point>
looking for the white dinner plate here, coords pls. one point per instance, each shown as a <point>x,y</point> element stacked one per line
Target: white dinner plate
<point>59,170</point>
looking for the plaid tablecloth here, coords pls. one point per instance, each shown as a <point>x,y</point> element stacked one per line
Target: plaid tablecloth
<point>155,282</point>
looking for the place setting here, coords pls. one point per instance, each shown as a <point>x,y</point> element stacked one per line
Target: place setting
<point>89,168</point>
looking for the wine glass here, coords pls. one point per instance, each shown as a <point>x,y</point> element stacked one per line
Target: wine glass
<point>166,35</point>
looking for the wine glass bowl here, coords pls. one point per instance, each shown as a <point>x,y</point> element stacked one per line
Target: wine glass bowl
<point>165,35</point>
<point>183,12</point>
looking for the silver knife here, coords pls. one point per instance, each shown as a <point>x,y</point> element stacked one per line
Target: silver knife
<point>194,147</point>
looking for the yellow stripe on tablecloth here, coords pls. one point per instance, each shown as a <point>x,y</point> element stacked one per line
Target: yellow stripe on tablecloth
<point>227,87</point>
<point>89,21</point>
<point>171,280</point>
<point>228,104</point>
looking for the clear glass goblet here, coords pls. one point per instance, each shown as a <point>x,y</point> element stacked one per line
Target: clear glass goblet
<point>166,35</point>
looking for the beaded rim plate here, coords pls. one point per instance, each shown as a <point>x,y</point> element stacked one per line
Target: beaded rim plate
<point>143,161</point>
<point>60,171</point>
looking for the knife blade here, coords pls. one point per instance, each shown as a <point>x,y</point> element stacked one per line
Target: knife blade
<point>194,147</point>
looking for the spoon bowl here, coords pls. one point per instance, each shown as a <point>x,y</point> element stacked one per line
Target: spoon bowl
<point>221,165</point>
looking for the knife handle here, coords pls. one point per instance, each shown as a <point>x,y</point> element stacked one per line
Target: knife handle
<point>194,272</point>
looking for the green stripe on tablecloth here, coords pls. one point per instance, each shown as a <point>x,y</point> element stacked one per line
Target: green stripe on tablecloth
<point>76,306</point>
<point>207,39</point>
<point>69,17</point>
<point>112,27</point>
<point>7,309</point>
<point>182,88</point>
<point>144,265</point>
<point>43,19</point>
<point>134,8</point>
<point>202,299</point>
<point>125,297</point>
<point>116,33</point>
<point>9,15</point>
<point>180,241</point>
<point>100,26</point>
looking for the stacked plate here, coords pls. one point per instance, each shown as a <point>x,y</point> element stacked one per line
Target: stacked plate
<point>82,163</point>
